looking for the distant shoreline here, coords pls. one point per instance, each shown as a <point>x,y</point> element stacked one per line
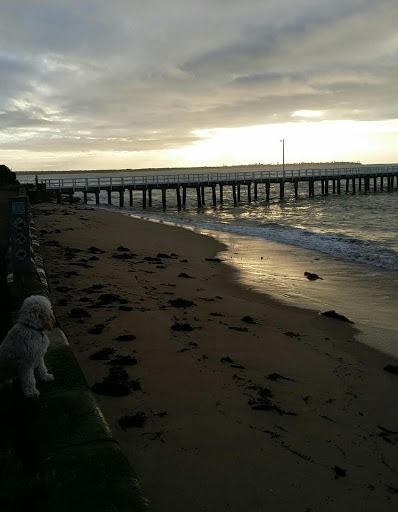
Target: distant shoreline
<point>222,168</point>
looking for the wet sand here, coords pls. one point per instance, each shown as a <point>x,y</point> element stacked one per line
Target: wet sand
<point>283,410</point>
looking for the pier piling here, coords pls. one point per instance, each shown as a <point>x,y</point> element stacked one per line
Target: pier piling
<point>234,194</point>
<point>178,193</point>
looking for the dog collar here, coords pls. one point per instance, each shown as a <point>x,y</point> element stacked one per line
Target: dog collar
<point>31,327</point>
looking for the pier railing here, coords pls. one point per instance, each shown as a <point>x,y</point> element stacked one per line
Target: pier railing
<point>215,177</point>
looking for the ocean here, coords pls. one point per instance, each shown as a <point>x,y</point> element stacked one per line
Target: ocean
<point>350,241</point>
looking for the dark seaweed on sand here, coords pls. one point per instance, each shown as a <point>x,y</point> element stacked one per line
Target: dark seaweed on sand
<point>126,337</point>
<point>185,275</point>
<point>123,256</point>
<point>337,316</point>
<point>108,298</point>
<point>240,329</point>
<point>117,383</point>
<point>102,354</point>
<point>181,327</point>
<point>79,313</point>
<point>249,320</point>
<point>123,361</point>
<point>391,369</point>
<point>134,420</point>
<point>181,303</point>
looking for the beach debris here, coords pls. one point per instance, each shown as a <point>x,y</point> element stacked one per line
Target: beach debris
<point>93,258</point>
<point>216,314</point>
<point>339,472</point>
<point>183,350</point>
<point>326,418</point>
<point>181,303</point>
<point>238,366</point>
<point>249,320</point>
<point>337,316</point>
<point>125,308</point>
<point>102,354</point>
<point>52,243</point>
<point>264,392</point>
<point>183,261</point>
<point>240,329</point>
<point>123,249</point>
<point>160,414</point>
<point>186,276</point>
<point>126,337</point>
<point>123,256</point>
<point>93,288</point>
<point>391,369</point>
<point>164,255</point>
<point>292,334</point>
<point>63,289</point>
<point>213,260</point>
<point>227,359</point>
<point>134,420</point>
<point>97,329</point>
<point>117,383</point>
<point>152,259</point>
<point>219,297</point>
<point>123,361</point>
<point>277,376</point>
<point>108,298</point>
<point>70,252</point>
<point>181,327</point>
<point>312,277</point>
<point>79,313</point>
<point>95,250</point>
<point>81,264</point>
<point>264,403</point>
<point>70,273</point>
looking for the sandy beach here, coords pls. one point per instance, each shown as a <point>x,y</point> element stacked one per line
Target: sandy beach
<point>226,399</point>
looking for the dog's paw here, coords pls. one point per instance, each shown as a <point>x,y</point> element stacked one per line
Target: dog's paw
<point>32,393</point>
<point>48,378</point>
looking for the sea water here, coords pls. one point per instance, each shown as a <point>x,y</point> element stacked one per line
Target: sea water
<point>350,241</point>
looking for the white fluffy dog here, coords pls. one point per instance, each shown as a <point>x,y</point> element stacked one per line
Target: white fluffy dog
<point>25,345</point>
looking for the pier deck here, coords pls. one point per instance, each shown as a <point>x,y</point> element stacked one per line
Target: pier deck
<point>364,178</point>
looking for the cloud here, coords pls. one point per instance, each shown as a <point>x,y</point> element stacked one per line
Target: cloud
<point>146,75</point>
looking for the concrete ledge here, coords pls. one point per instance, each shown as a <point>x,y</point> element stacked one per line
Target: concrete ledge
<point>70,459</point>
<point>92,477</point>
<point>71,452</point>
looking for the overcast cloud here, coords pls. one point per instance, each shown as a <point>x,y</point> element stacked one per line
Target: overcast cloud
<point>135,75</point>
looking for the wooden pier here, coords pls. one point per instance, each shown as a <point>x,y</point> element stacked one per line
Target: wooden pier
<point>247,186</point>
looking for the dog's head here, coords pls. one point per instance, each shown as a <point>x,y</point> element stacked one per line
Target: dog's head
<point>36,311</point>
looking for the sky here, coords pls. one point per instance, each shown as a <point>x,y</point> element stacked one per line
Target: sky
<point>99,84</point>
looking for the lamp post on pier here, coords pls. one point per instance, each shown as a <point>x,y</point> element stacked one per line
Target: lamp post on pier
<point>283,158</point>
